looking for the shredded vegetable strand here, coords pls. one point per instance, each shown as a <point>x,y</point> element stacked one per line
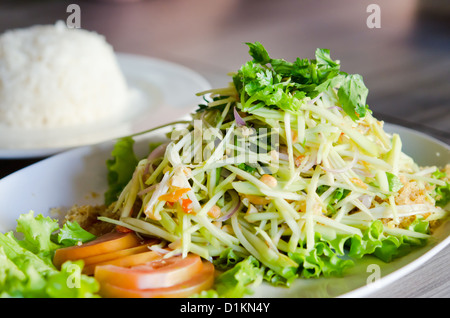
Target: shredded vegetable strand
<point>282,166</point>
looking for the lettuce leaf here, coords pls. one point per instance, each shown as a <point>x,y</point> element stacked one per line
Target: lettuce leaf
<point>21,276</point>
<point>443,195</point>
<point>321,261</point>
<point>386,248</point>
<point>37,232</point>
<point>441,192</point>
<point>26,267</point>
<point>227,259</point>
<point>70,283</point>
<point>238,281</point>
<point>330,257</point>
<point>120,168</point>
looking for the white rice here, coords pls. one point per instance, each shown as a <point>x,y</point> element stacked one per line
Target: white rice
<point>52,76</point>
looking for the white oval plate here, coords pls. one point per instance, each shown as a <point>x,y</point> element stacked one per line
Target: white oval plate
<point>162,91</point>
<point>78,176</point>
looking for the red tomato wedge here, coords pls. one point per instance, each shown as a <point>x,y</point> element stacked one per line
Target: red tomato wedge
<point>164,272</point>
<point>203,280</point>
<point>186,205</point>
<point>125,261</point>
<point>123,229</point>
<point>107,243</point>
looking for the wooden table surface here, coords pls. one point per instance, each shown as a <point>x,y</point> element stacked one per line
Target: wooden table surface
<point>405,62</point>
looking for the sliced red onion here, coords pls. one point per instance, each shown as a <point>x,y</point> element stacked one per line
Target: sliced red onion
<point>283,153</point>
<point>146,190</point>
<point>239,121</point>
<point>230,213</point>
<point>283,156</point>
<point>335,107</point>
<point>312,101</point>
<point>366,200</point>
<point>156,153</point>
<point>158,249</point>
<point>364,172</point>
<point>311,163</point>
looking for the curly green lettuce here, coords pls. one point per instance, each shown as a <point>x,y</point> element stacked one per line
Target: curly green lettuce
<point>26,268</point>
<point>120,168</point>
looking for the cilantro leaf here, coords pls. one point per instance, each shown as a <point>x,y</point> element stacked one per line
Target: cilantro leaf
<point>323,59</point>
<point>352,96</point>
<point>259,53</point>
<point>246,167</point>
<point>72,233</point>
<point>277,83</point>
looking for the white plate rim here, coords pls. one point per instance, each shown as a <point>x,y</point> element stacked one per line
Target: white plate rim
<point>195,78</point>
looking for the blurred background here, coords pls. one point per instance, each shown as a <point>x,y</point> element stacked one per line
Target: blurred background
<point>405,61</point>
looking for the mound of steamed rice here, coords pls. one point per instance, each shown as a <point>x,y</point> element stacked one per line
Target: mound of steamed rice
<point>52,76</point>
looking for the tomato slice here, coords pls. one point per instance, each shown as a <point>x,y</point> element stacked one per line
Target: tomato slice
<point>107,243</point>
<point>203,280</point>
<point>164,272</point>
<point>144,247</point>
<point>125,261</point>
<point>127,257</point>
